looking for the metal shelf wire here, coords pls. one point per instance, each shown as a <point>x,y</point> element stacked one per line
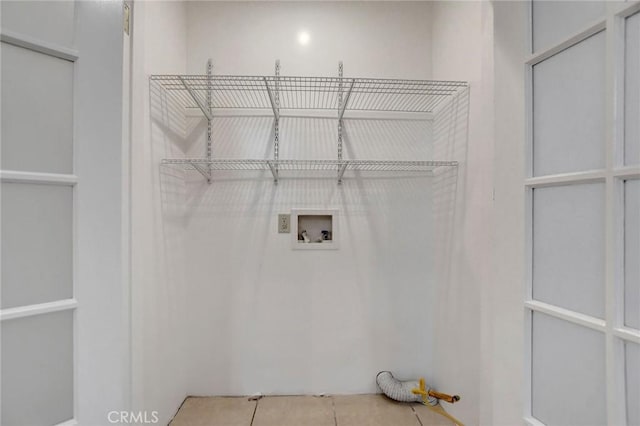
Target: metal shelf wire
<point>301,93</point>
<point>339,166</point>
<point>300,165</point>
<point>214,93</point>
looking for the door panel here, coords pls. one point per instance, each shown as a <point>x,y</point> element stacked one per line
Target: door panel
<point>568,247</point>
<point>632,374</point>
<point>555,20</point>
<point>37,111</point>
<point>567,357</point>
<point>632,253</point>
<point>572,80</point>
<point>37,246</point>
<point>632,90</point>
<point>50,21</point>
<point>37,369</point>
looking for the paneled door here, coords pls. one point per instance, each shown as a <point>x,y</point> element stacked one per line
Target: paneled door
<point>64,295</point>
<point>583,214</point>
<point>38,189</point>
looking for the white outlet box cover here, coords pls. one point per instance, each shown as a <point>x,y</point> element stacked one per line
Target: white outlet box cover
<point>314,221</point>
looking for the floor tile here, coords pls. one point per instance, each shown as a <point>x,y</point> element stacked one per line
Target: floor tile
<point>429,417</point>
<point>294,411</point>
<point>351,410</point>
<point>373,410</point>
<point>218,411</point>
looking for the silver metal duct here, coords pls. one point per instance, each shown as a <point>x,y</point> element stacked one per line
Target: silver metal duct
<point>402,391</point>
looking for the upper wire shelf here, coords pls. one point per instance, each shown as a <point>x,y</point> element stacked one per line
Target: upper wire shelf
<point>213,94</point>
<point>301,93</point>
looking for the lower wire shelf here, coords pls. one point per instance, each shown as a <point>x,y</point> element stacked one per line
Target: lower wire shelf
<point>204,166</point>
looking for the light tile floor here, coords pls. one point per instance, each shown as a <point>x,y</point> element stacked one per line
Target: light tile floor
<point>346,410</point>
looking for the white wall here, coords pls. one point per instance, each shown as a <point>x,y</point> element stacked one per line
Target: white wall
<point>462,50</point>
<point>485,43</point>
<point>266,318</point>
<point>159,376</point>
<point>374,39</point>
<point>505,347</point>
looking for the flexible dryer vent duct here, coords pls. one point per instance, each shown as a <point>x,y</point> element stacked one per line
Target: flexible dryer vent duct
<point>401,391</point>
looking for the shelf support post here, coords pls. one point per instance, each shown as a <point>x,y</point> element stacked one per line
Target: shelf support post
<point>340,73</point>
<point>210,116</point>
<point>275,103</point>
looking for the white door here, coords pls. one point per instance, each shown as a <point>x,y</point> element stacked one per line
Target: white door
<point>583,214</point>
<point>63,306</point>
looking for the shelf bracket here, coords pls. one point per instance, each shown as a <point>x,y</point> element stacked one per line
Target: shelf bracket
<point>274,171</point>
<point>346,100</point>
<point>343,167</point>
<point>203,171</point>
<point>276,114</point>
<point>202,107</point>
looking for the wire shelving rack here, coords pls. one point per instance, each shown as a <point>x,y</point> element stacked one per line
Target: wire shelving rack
<point>278,94</point>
